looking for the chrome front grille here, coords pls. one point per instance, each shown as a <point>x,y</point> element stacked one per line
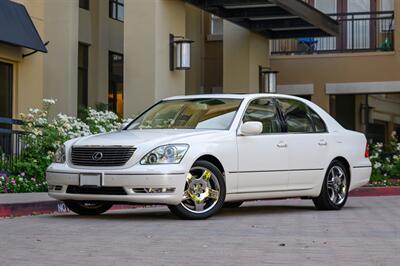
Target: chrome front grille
<point>101,155</point>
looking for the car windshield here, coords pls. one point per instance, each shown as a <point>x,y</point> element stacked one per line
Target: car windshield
<point>216,113</point>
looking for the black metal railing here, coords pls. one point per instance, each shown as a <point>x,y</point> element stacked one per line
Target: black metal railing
<point>11,143</point>
<point>359,32</point>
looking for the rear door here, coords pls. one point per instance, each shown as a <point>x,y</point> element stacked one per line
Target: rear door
<point>308,144</point>
<point>262,159</point>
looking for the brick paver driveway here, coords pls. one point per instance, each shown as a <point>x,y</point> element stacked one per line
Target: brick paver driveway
<point>285,232</point>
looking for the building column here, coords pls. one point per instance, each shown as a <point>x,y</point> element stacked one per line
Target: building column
<point>147,77</point>
<point>61,63</point>
<point>244,51</point>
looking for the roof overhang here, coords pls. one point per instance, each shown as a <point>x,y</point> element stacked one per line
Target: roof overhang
<point>275,19</point>
<point>17,28</point>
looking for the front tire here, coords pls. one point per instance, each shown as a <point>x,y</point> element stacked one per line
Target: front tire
<point>88,208</point>
<point>335,188</point>
<point>204,192</point>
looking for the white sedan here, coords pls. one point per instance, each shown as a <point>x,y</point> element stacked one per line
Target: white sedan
<point>200,153</point>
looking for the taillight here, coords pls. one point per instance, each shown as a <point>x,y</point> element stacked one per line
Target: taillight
<point>366,154</point>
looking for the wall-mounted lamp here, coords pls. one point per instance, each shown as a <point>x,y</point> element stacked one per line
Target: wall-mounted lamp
<point>267,79</point>
<point>179,53</point>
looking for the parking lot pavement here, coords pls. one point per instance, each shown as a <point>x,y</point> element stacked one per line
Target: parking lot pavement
<point>284,232</point>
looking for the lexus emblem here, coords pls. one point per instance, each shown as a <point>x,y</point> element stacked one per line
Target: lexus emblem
<point>97,156</point>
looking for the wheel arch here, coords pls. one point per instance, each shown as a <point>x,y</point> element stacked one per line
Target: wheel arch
<point>214,160</point>
<point>346,164</point>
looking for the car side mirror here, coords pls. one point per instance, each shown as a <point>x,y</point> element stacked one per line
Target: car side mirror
<point>251,128</point>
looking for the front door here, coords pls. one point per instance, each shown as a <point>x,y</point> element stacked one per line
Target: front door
<point>263,159</point>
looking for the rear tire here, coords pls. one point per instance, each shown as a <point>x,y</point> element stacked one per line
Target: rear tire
<point>335,188</point>
<point>88,208</point>
<point>204,192</point>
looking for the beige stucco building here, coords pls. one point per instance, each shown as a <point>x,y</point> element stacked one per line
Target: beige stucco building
<point>117,53</point>
<point>355,76</point>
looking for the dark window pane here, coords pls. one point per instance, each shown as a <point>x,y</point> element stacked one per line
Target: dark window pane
<point>83,63</point>
<point>120,12</point>
<point>345,110</point>
<point>307,97</point>
<point>264,111</point>
<point>116,79</point>
<point>296,116</point>
<point>5,90</point>
<point>116,9</point>
<point>83,56</point>
<point>84,4</point>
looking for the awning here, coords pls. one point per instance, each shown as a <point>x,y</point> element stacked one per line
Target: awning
<point>275,19</point>
<point>16,27</point>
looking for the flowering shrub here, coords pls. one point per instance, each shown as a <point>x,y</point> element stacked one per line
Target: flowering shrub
<point>102,121</point>
<point>385,162</point>
<point>43,136</point>
<point>21,183</point>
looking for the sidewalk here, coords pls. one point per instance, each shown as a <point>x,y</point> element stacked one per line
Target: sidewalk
<point>13,205</point>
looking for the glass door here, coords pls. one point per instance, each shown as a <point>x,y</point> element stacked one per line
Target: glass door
<point>5,90</point>
<point>327,7</point>
<point>358,25</point>
<point>5,106</point>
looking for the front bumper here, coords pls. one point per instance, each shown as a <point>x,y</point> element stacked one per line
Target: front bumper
<point>134,182</point>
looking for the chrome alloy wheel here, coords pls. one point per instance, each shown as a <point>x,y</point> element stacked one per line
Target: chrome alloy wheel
<point>337,185</point>
<point>202,190</point>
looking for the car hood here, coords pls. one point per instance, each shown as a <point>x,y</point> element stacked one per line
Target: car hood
<point>139,137</point>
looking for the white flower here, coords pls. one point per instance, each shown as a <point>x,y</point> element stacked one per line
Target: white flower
<point>49,101</point>
<point>377,165</point>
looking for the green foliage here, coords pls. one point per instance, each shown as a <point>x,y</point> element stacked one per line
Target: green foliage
<point>385,161</point>
<point>43,136</point>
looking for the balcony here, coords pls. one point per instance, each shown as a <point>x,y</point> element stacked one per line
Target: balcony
<point>359,32</point>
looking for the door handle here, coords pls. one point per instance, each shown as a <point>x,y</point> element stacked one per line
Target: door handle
<point>322,142</point>
<point>281,145</point>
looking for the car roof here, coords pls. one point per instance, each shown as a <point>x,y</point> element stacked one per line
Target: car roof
<point>231,96</point>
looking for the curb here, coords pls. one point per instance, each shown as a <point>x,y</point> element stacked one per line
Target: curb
<point>46,207</point>
<point>375,192</point>
<point>54,206</point>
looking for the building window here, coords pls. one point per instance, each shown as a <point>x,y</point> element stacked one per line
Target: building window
<point>6,77</point>
<point>117,9</point>
<point>116,81</point>
<point>217,25</point>
<point>386,5</point>
<point>6,110</point>
<point>376,115</point>
<point>83,65</point>
<point>84,4</point>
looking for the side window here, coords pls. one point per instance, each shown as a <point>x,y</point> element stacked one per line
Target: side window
<point>318,122</point>
<point>264,111</point>
<point>296,116</point>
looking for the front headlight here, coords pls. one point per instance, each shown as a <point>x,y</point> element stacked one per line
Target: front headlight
<point>166,154</point>
<point>59,156</point>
